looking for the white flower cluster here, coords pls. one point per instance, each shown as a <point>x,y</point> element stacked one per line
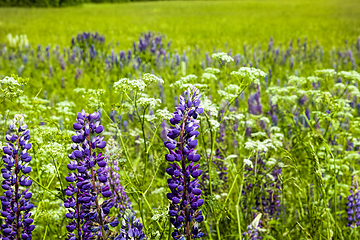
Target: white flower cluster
<point>295,80</point>
<point>209,106</point>
<point>199,86</point>
<point>48,169</point>
<point>350,75</point>
<point>259,146</point>
<point>65,107</point>
<point>151,78</point>
<point>17,40</point>
<point>249,73</point>
<point>208,76</point>
<point>92,95</point>
<point>222,56</point>
<point>163,114</point>
<point>231,92</point>
<point>184,80</point>
<point>325,72</point>
<point>126,84</point>
<point>148,102</point>
<point>214,124</point>
<point>226,95</point>
<point>10,87</point>
<point>212,70</point>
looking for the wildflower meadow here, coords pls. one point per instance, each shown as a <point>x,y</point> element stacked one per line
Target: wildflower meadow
<point>114,136</point>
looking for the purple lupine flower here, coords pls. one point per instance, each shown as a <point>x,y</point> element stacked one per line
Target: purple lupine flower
<point>15,202</point>
<point>271,204</point>
<point>353,205</point>
<point>185,196</point>
<point>78,73</point>
<point>163,133</point>
<point>268,204</point>
<point>254,103</point>
<point>252,232</point>
<point>120,199</point>
<point>131,228</point>
<point>218,162</point>
<point>83,194</point>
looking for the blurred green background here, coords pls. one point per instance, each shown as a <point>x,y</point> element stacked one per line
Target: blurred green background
<point>206,24</point>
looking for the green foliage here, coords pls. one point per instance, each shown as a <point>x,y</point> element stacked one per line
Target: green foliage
<point>205,24</point>
<point>39,3</point>
<point>315,142</point>
<point>55,3</point>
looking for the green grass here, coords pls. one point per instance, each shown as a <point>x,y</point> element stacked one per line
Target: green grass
<point>207,24</point>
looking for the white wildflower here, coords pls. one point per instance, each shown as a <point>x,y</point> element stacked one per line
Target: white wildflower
<point>213,71</point>
<point>149,102</point>
<point>223,57</point>
<point>126,84</point>
<point>184,80</point>
<point>150,78</point>
<point>163,114</point>
<point>208,77</point>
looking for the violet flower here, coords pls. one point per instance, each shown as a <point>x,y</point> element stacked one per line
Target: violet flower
<point>119,197</point>
<point>83,191</point>
<point>252,232</point>
<point>15,202</point>
<point>353,206</point>
<point>254,103</point>
<point>184,184</point>
<point>131,228</point>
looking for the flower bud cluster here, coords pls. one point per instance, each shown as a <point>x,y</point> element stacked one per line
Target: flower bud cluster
<point>15,202</point>
<point>185,195</point>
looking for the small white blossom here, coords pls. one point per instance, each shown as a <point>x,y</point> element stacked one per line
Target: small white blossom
<point>184,80</point>
<point>126,84</point>
<point>325,72</point>
<point>163,114</point>
<point>248,162</point>
<point>208,77</point>
<point>223,57</point>
<point>212,70</point>
<point>149,102</point>
<point>150,78</point>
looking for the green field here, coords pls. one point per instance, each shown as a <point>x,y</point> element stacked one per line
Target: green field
<point>270,150</point>
<point>207,24</point>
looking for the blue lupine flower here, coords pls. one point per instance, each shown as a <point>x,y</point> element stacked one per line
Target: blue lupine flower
<point>353,205</point>
<point>185,196</point>
<point>131,228</point>
<point>15,202</point>
<point>84,190</point>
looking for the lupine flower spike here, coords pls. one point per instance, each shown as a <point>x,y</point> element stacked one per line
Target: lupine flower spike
<point>131,228</point>
<point>185,196</point>
<point>252,232</point>
<point>353,205</point>
<point>15,202</point>
<point>119,197</point>
<point>88,216</point>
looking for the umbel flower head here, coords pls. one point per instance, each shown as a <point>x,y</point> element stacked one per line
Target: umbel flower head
<point>185,195</point>
<point>15,202</point>
<point>87,215</point>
